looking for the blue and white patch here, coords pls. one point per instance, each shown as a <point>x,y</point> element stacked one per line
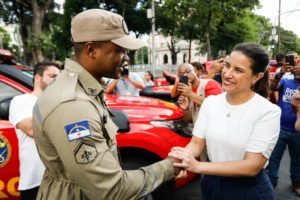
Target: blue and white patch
<point>78,130</point>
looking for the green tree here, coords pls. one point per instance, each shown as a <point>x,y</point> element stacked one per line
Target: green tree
<point>30,14</point>
<point>133,11</point>
<point>198,19</point>
<point>167,23</point>
<point>289,41</point>
<point>5,38</point>
<point>142,56</point>
<point>237,29</point>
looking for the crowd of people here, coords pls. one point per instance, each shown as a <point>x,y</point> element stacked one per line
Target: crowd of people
<point>238,132</point>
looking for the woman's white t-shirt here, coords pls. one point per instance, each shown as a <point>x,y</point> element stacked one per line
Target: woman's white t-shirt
<point>31,166</point>
<point>231,130</point>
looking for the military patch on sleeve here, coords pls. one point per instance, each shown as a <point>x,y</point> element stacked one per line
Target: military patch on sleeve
<point>85,153</point>
<point>78,130</point>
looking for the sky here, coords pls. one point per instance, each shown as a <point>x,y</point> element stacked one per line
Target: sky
<point>289,20</point>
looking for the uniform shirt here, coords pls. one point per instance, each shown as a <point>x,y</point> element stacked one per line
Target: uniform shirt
<point>76,139</point>
<point>230,131</point>
<point>288,117</point>
<point>31,166</point>
<point>124,87</point>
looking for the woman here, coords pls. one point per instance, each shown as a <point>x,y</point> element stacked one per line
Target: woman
<point>149,79</point>
<point>239,128</point>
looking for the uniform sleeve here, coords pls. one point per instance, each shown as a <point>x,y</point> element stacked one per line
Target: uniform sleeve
<point>212,88</point>
<point>265,132</point>
<point>19,110</point>
<point>201,121</point>
<point>90,161</point>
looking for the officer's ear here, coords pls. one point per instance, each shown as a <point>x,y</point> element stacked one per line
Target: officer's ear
<point>90,49</point>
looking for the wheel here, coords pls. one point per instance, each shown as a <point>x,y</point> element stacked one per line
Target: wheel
<point>163,192</point>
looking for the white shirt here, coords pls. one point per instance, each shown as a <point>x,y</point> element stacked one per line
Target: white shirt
<point>230,130</point>
<point>124,87</point>
<point>31,167</point>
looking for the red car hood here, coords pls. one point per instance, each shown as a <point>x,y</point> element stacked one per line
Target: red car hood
<point>144,108</point>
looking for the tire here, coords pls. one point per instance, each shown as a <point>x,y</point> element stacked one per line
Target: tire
<point>163,192</point>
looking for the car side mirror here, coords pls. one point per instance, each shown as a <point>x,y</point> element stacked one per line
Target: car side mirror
<point>121,120</point>
<point>4,108</point>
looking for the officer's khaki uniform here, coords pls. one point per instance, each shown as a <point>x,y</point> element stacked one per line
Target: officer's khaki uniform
<point>88,167</point>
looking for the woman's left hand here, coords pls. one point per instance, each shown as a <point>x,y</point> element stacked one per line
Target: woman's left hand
<point>188,161</point>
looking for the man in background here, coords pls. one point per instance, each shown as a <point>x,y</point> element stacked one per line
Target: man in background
<point>130,83</point>
<point>20,115</point>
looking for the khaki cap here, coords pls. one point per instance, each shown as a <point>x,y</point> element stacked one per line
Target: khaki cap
<point>102,25</point>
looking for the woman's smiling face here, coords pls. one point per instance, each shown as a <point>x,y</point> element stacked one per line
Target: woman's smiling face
<point>237,74</point>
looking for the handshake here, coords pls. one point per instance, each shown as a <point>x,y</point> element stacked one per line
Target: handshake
<point>183,161</point>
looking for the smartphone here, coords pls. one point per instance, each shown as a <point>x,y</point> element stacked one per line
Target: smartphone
<point>290,59</point>
<point>184,80</point>
<point>125,71</point>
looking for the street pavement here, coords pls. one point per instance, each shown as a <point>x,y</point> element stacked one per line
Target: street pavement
<point>283,190</point>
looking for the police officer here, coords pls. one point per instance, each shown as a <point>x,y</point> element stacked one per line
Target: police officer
<point>74,133</point>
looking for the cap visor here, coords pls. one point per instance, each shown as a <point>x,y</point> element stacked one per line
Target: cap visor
<point>129,42</point>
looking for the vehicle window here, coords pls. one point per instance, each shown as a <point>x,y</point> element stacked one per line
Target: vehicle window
<point>6,91</point>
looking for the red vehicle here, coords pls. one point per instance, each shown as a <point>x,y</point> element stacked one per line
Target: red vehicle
<point>7,58</point>
<point>148,129</point>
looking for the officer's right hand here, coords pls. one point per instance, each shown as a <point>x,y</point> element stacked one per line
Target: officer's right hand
<point>175,160</point>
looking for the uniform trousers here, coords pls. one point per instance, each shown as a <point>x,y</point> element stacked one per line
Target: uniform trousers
<point>241,188</point>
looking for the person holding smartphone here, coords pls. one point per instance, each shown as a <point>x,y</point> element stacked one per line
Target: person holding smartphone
<point>193,90</point>
<point>130,83</point>
<point>288,136</point>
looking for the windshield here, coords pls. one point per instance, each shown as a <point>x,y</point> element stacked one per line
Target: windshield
<point>28,73</point>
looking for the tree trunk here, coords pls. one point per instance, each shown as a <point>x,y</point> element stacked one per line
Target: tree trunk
<point>38,13</point>
<point>207,34</point>
<point>190,50</point>
<point>24,31</point>
<point>131,55</point>
<point>172,48</point>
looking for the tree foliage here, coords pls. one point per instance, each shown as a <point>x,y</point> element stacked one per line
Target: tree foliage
<point>288,41</point>
<point>5,38</point>
<point>215,24</point>
<point>238,29</point>
<point>31,15</point>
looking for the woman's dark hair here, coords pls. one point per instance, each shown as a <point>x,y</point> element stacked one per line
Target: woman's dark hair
<point>151,75</point>
<point>199,66</point>
<point>260,59</point>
